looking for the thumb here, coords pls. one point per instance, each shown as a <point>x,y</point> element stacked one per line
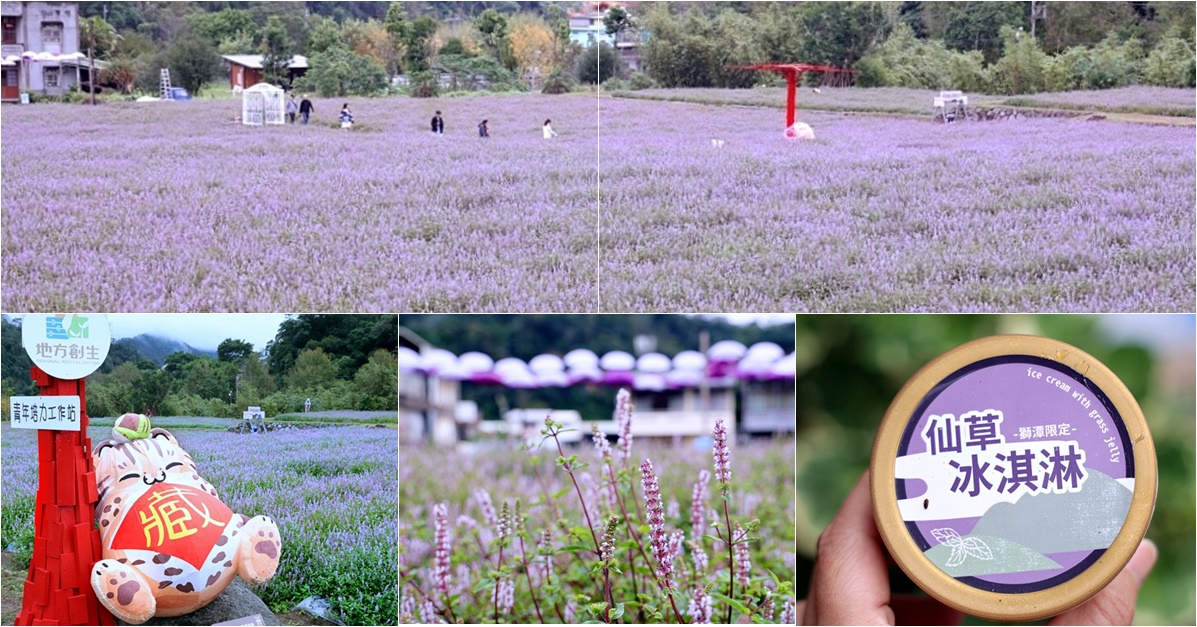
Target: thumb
<point>1115,605</point>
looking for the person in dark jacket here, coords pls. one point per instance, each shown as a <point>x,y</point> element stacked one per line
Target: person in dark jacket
<point>438,124</point>
<point>483,129</point>
<point>305,108</point>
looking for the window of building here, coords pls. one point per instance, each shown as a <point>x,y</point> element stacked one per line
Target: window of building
<point>51,77</point>
<point>10,30</point>
<point>10,77</point>
<point>52,32</point>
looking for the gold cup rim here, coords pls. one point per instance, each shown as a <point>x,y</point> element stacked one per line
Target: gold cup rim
<point>995,605</point>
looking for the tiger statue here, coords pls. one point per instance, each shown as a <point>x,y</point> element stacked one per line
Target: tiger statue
<point>169,545</point>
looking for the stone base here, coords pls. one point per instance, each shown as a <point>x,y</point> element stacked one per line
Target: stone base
<point>237,601</point>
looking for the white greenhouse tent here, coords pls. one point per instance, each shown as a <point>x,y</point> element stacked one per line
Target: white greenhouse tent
<point>263,104</point>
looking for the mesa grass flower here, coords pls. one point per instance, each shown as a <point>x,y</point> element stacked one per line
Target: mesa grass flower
<point>623,421</point>
<point>743,559</point>
<point>700,607</point>
<point>698,497</point>
<point>658,539</point>
<point>482,498</point>
<point>787,613</point>
<point>503,595</point>
<point>722,455</point>
<point>607,546</point>
<point>440,567</point>
<point>600,442</point>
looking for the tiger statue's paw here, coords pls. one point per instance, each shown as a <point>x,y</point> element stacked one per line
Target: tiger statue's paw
<point>123,591</point>
<point>259,550</point>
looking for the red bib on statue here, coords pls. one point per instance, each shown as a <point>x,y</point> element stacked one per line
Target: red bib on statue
<point>176,520</point>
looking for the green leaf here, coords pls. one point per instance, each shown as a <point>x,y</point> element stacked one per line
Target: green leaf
<point>732,602</point>
<point>712,538</point>
<point>573,548</point>
<point>485,584</point>
<point>617,612</point>
<point>557,495</point>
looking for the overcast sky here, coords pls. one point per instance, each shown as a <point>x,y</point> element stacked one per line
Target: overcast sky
<point>203,331</point>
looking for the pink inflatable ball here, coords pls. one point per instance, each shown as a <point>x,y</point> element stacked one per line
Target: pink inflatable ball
<point>800,130</point>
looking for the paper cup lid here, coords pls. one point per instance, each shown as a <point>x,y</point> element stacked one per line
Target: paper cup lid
<point>1013,477</point>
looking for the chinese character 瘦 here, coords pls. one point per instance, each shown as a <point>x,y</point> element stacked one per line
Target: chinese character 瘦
<point>1021,471</point>
<point>1064,468</point>
<point>945,437</point>
<point>983,428</point>
<point>971,477</point>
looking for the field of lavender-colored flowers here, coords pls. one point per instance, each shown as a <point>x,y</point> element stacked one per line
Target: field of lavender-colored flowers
<point>563,579</point>
<point>884,214</point>
<point>331,491</point>
<point>172,207</point>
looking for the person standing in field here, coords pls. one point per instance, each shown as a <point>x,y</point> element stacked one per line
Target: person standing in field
<point>292,108</point>
<point>346,116</point>
<point>547,130</point>
<point>305,108</point>
<point>483,129</point>
<point>438,124</point>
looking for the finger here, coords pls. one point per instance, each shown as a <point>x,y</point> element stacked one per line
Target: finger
<point>850,585</point>
<point>921,610</point>
<point>800,612</point>
<point>1115,605</point>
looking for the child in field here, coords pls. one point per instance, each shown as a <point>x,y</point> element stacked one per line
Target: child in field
<point>346,116</point>
<point>438,124</point>
<point>483,129</point>
<point>547,130</point>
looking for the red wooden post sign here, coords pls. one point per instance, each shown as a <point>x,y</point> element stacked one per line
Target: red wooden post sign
<point>66,543</point>
<point>793,73</point>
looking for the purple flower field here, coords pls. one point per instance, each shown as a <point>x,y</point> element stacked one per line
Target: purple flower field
<point>891,214</point>
<point>333,493</point>
<point>173,207</point>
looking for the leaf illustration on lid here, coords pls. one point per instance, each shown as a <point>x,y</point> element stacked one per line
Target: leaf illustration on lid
<point>958,554</point>
<point>977,548</point>
<point>946,535</point>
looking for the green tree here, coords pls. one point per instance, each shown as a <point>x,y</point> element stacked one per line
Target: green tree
<point>223,25</point>
<point>840,33</point>
<point>493,27</point>
<point>976,25</point>
<point>193,62</point>
<point>417,44</point>
<point>324,35</point>
<point>276,51</point>
<point>176,364</point>
<point>1171,64</point>
<point>255,374</point>
<point>379,378</point>
<point>617,21</point>
<point>234,351</point>
<point>97,34</point>
<point>1021,69</point>
<point>210,379</point>
<point>339,72</point>
<point>15,362</point>
<point>149,391</point>
<point>597,64</point>
<point>313,369</point>
<point>396,26</point>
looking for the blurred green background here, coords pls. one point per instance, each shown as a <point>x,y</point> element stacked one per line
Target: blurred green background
<point>851,367</point>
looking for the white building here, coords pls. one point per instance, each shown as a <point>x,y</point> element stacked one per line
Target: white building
<point>40,49</point>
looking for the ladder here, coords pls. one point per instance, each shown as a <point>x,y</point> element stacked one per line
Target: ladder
<point>164,85</point>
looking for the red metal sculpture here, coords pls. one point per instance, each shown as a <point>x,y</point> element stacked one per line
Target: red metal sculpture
<point>793,72</point>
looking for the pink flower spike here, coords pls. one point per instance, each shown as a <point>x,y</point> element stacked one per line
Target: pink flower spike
<point>623,420</point>
<point>440,572</point>
<point>722,455</point>
<point>658,540</point>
